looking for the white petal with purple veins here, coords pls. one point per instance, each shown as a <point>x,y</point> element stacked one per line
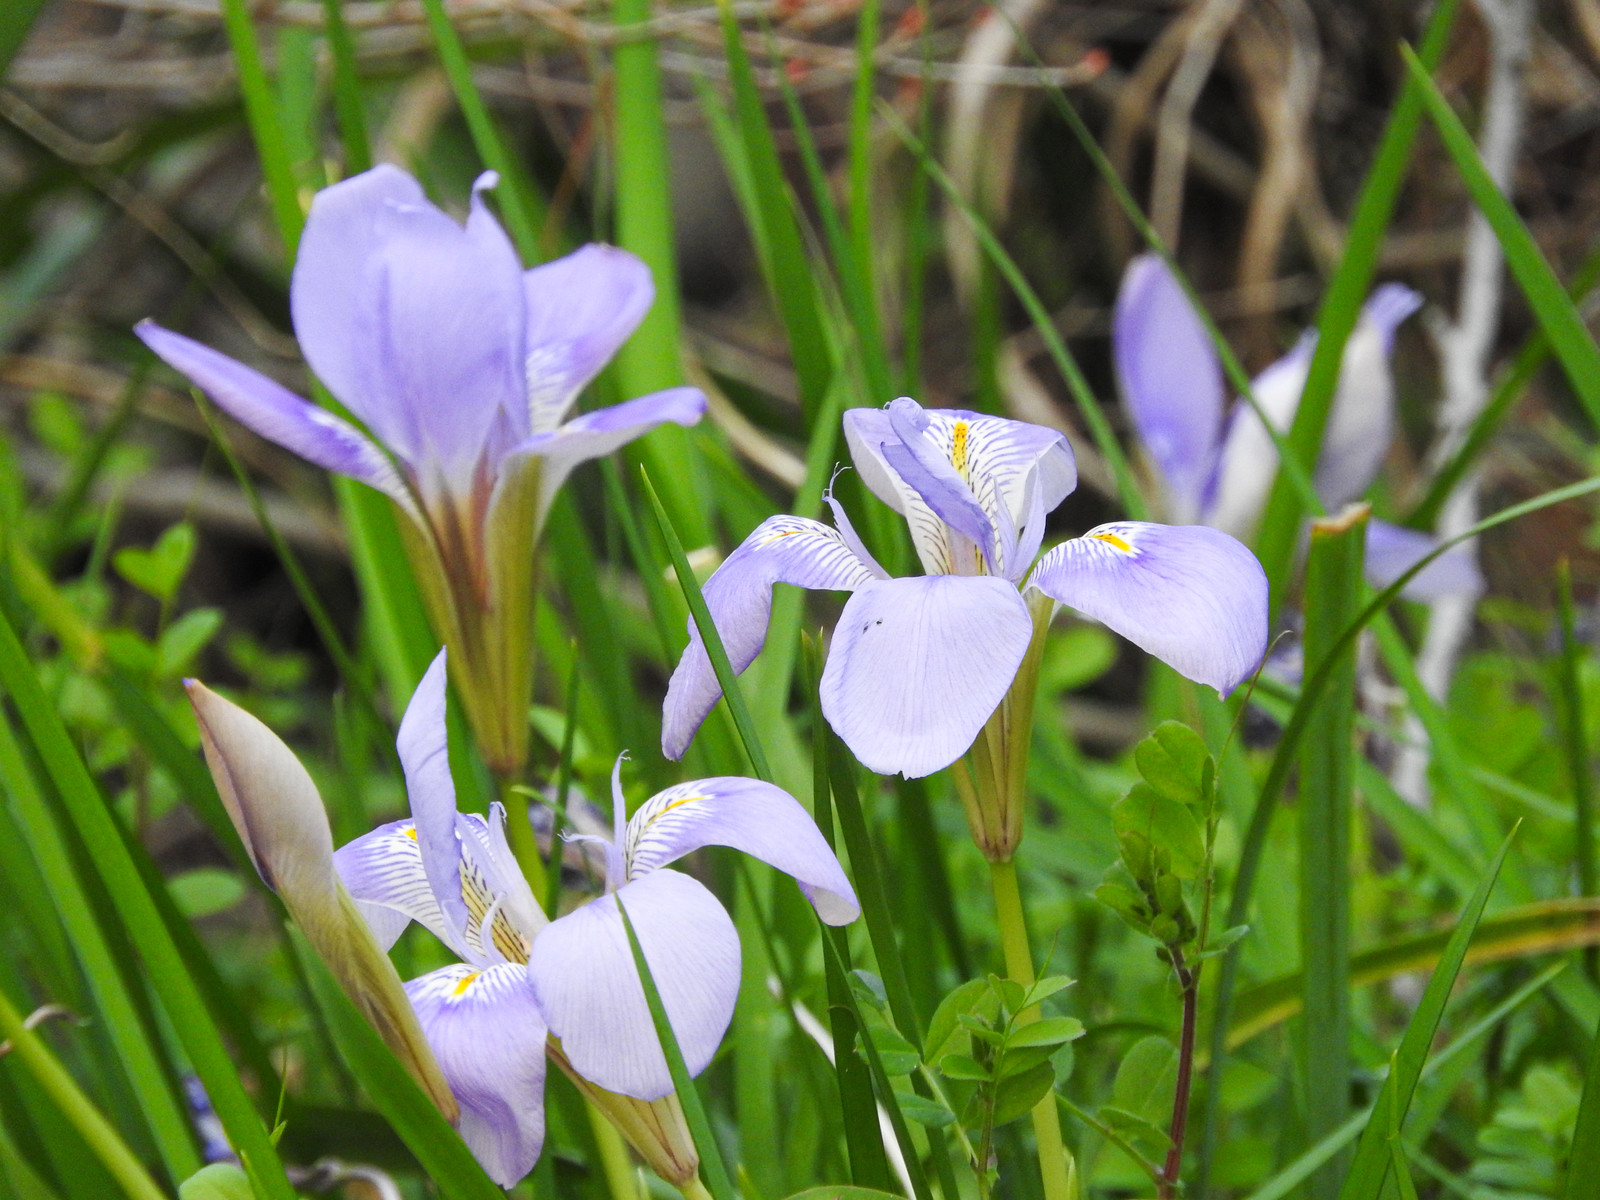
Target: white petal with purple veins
<point>918,665</point>
<point>277,414</point>
<point>1171,380</point>
<point>589,990</point>
<point>764,821</point>
<point>1188,594</point>
<point>488,1035</point>
<point>784,549</point>
<point>383,871</point>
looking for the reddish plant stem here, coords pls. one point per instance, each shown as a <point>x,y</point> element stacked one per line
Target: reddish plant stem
<point>1190,981</point>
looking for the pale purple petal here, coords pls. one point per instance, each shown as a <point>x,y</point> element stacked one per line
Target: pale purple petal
<point>589,990</point>
<point>383,871</point>
<point>1387,308</point>
<point>277,414</point>
<point>1014,471</point>
<point>936,474</point>
<point>1392,551</point>
<point>785,549</point>
<point>1171,380</point>
<point>416,323</point>
<point>764,821</point>
<point>1361,423</point>
<point>1188,594</point>
<point>599,433</point>
<point>918,665</point>
<point>581,308</point>
<point>486,1030</point>
<point>1249,460</point>
<point>425,758</point>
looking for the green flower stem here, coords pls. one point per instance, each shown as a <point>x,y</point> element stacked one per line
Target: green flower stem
<point>614,1161</point>
<point>695,1190</point>
<point>1019,966</point>
<point>99,1133</point>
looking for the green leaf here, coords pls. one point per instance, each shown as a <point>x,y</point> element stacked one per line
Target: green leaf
<point>1051,1031</point>
<point>1044,988</point>
<point>205,891</point>
<point>924,1111</point>
<point>962,1066</point>
<point>219,1181</point>
<point>841,1192</point>
<point>899,1057</point>
<point>1134,1127</point>
<point>1172,761</point>
<point>869,988</point>
<point>1146,1078</point>
<point>1017,1094</point>
<point>159,571</point>
<point>1371,1165</point>
<point>1558,316</point>
<point>944,1031</point>
<point>132,653</point>
<point>1167,824</point>
<point>184,639</point>
<point>1011,994</point>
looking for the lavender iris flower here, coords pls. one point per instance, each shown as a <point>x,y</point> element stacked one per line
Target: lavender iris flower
<point>1218,468</point>
<point>523,979</point>
<point>463,367</point>
<point>917,665</point>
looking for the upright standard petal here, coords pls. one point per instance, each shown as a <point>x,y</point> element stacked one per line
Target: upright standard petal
<point>918,665</point>
<point>793,550</point>
<point>1014,471</point>
<point>382,870</point>
<point>422,319</point>
<point>581,308</point>
<point>1249,460</point>
<point>1171,381</point>
<point>589,990</point>
<point>764,821</point>
<point>1392,550</point>
<point>425,758</point>
<point>277,414</point>
<point>1188,594</point>
<point>599,433</point>
<point>488,1035</point>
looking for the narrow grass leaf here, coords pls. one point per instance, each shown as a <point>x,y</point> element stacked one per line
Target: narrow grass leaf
<point>348,104</point>
<point>161,1110</point>
<point>1341,305</point>
<point>1334,584</point>
<point>101,1136</point>
<point>726,678</point>
<point>694,1113</point>
<point>266,123</point>
<point>1553,308</point>
<point>1372,1163</point>
<point>169,978</point>
<point>1583,1168</point>
<point>1575,740</point>
<point>1100,431</point>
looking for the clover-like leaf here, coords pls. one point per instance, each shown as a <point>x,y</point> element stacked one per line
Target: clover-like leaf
<point>1166,824</point>
<point>159,570</point>
<point>1172,760</point>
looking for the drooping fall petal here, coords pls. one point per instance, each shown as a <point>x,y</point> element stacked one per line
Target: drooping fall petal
<point>589,990</point>
<point>489,1035</point>
<point>792,550</point>
<point>1190,595</point>
<point>758,818</point>
<point>918,665</point>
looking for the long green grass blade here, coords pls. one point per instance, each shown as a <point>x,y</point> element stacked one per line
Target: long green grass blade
<point>1554,309</point>
<point>1372,1159</point>
<point>694,1112</point>
<point>160,1109</point>
<point>1334,583</point>
<point>266,124</point>
<point>1575,741</point>
<point>347,99</point>
<point>1341,305</point>
<point>1100,431</point>
<point>1583,1168</point>
<point>729,682</point>
<point>98,1132</point>
<point>167,972</point>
